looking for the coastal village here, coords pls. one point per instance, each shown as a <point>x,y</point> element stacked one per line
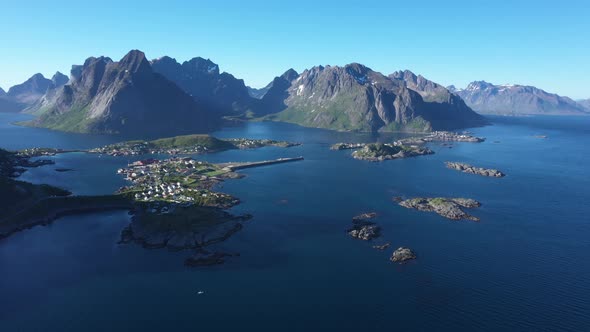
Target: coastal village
<point>176,180</point>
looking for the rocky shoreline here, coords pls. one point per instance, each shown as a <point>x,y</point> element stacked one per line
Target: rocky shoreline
<point>198,228</point>
<point>466,168</point>
<point>450,208</point>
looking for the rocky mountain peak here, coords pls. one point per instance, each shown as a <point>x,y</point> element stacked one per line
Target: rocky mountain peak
<point>135,62</point>
<point>290,75</point>
<point>36,84</point>
<point>59,79</point>
<point>199,64</point>
<point>477,85</point>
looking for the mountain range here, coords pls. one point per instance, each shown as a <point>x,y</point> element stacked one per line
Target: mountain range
<point>354,97</point>
<point>202,80</point>
<point>126,97</point>
<point>508,99</point>
<point>138,97</point>
<point>27,93</point>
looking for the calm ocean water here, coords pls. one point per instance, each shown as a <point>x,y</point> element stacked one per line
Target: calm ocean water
<point>523,267</point>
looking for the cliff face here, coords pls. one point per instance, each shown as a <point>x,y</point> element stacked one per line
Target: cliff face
<point>354,97</point>
<point>125,97</point>
<point>511,99</point>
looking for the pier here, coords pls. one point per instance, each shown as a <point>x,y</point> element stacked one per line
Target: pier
<point>237,166</point>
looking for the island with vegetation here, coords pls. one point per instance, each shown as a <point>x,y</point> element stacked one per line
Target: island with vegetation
<point>466,168</point>
<point>382,151</point>
<point>451,208</point>
<point>187,144</point>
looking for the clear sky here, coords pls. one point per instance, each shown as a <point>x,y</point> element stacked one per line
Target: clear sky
<point>541,43</point>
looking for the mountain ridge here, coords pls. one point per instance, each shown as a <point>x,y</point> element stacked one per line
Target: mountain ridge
<point>354,97</point>
<point>202,79</point>
<point>514,99</point>
<point>128,97</point>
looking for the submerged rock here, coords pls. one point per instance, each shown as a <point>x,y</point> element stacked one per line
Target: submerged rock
<point>364,216</point>
<point>382,246</point>
<point>205,258</point>
<point>402,254</point>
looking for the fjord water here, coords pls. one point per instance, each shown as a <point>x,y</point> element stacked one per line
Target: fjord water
<point>523,267</point>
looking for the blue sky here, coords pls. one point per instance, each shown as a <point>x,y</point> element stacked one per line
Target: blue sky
<point>541,43</point>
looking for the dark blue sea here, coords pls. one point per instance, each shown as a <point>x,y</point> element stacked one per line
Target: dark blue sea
<point>523,267</point>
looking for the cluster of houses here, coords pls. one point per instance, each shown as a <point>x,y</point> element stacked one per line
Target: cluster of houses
<point>149,176</point>
<point>137,149</point>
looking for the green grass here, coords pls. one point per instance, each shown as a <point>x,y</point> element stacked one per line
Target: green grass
<point>75,120</point>
<point>191,140</point>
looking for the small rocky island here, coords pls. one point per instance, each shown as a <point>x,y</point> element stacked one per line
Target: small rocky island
<point>402,255</point>
<point>450,208</point>
<point>363,228</point>
<point>381,152</point>
<point>466,168</point>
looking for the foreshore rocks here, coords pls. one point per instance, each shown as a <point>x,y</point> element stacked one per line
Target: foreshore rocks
<point>466,168</point>
<point>450,208</point>
<point>382,246</point>
<point>402,254</point>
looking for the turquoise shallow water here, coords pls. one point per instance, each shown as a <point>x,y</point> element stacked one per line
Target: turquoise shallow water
<point>523,267</point>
